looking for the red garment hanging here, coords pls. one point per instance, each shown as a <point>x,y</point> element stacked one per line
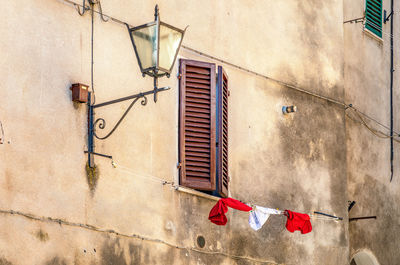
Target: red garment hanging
<point>217,213</point>
<point>298,221</point>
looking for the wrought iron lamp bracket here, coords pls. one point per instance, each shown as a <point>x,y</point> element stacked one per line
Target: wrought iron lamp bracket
<point>101,123</point>
<point>153,70</point>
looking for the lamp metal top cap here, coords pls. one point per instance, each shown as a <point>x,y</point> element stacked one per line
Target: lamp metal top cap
<point>156,13</point>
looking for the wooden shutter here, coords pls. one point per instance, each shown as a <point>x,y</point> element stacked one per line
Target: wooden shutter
<point>197,137</point>
<point>373,16</point>
<point>223,93</point>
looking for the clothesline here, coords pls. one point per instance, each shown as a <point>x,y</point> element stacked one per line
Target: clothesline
<point>165,182</point>
<point>252,206</point>
<point>311,214</point>
<point>258,215</point>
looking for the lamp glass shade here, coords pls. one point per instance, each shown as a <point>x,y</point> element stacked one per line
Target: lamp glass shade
<point>170,40</point>
<point>145,41</point>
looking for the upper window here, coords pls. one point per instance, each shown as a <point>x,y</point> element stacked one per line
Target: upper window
<point>203,127</point>
<point>373,17</point>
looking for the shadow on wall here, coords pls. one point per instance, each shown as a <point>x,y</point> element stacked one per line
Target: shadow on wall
<point>364,257</point>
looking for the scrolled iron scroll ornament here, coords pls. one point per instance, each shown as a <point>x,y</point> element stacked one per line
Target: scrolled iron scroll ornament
<point>101,123</point>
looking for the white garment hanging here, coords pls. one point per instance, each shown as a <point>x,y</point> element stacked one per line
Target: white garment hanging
<point>259,215</point>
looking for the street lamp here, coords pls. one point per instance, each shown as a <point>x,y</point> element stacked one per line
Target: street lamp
<point>156,46</point>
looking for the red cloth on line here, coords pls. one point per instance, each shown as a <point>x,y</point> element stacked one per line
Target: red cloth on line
<point>298,221</point>
<point>217,213</point>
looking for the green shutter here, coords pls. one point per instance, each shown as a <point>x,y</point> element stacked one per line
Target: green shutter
<point>373,16</point>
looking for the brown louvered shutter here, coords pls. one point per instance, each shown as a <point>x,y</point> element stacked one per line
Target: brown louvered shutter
<point>197,141</point>
<point>223,93</point>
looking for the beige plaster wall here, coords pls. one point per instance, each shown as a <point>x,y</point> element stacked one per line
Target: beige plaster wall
<point>293,162</point>
<point>367,86</point>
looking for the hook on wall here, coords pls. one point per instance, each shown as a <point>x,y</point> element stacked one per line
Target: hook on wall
<point>84,8</point>
<point>101,13</point>
<point>386,17</point>
<point>87,8</point>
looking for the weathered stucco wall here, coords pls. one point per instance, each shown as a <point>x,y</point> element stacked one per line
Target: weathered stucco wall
<point>367,86</point>
<point>293,162</point>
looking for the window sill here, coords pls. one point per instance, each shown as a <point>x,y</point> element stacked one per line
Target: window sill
<point>372,35</point>
<point>197,193</point>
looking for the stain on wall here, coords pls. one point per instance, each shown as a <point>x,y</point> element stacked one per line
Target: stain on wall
<point>293,162</point>
<point>112,253</point>
<point>3,261</point>
<point>92,175</point>
<point>42,235</point>
<point>56,261</point>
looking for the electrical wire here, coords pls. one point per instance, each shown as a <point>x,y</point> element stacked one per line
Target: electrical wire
<point>380,28</point>
<point>231,64</point>
<point>370,23</point>
<point>372,119</point>
<point>282,83</point>
<point>346,106</point>
<point>391,96</point>
<point>101,13</point>
<point>242,68</point>
<point>340,103</point>
<point>92,57</point>
<point>103,16</point>
<point>97,12</point>
<point>372,130</point>
<point>363,122</point>
<point>84,8</point>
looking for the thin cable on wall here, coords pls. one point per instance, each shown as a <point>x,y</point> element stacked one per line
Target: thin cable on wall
<point>107,17</point>
<point>84,8</point>
<point>374,131</point>
<point>92,58</point>
<point>81,13</point>
<point>346,106</point>
<point>381,29</point>
<point>385,44</point>
<point>340,103</point>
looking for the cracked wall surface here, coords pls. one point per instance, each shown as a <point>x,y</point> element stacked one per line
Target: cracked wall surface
<point>295,162</point>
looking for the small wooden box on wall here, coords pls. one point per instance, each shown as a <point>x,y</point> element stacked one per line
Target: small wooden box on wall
<point>79,93</point>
